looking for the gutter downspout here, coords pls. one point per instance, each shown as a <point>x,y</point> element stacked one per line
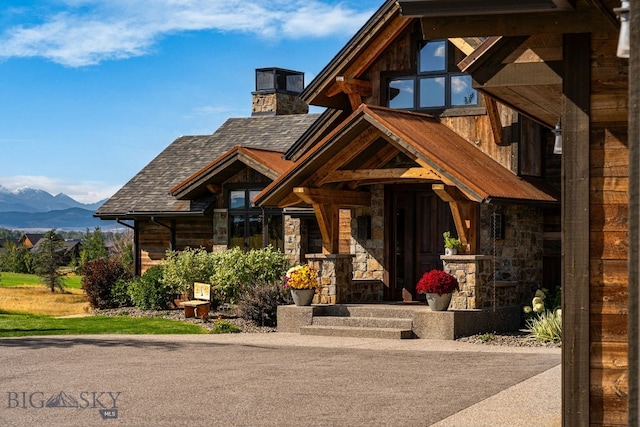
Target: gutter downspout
<point>137,267</point>
<point>172,231</point>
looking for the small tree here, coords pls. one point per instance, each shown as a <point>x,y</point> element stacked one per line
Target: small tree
<point>49,258</point>
<point>93,246</point>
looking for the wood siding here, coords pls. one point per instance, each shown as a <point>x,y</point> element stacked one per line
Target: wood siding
<point>608,225</point>
<point>155,239</point>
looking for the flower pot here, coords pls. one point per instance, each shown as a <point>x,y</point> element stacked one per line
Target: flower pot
<point>438,302</point>
<point>302,296</point>
<point>450,251</point>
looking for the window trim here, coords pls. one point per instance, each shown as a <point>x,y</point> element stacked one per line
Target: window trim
<point>247,211</point>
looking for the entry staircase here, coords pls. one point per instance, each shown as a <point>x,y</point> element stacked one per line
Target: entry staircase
<point>365,321</point>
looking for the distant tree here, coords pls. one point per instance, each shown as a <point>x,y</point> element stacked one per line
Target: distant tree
<point>93,246</point>
<point>48,258</point>
<point>122,248</point>
<point>16,259</point>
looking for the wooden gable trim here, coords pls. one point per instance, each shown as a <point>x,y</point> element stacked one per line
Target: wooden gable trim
<point>465,215</point>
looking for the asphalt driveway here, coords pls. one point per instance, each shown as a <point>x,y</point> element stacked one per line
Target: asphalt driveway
<point>252,380</point>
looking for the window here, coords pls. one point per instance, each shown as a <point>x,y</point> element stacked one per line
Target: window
<point>438,84</point>
<point>251,227</point>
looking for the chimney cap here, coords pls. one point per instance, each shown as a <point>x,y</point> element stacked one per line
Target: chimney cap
<point>274,79</point>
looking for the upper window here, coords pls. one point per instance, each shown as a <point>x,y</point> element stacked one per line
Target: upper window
<point>438,84</point>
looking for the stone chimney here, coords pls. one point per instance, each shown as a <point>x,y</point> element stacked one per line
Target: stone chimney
<point>278,93</point>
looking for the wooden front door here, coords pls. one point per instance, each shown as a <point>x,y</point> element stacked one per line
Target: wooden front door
<point>417,219</point>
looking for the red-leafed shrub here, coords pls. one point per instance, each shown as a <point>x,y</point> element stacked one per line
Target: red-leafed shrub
<point>437,282</point>
<point>100,276</point>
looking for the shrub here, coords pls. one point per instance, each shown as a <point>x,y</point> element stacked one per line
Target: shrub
<point>546,326</point>
<point>100,276</point>
<point>183,268</point>
<point>259,303</point>
<point>120,294</point>
<point>149,292</point>
<point>224,327</point>
<point>236,271</point>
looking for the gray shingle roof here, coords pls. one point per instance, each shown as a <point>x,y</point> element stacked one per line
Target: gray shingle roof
<point>147,193</point>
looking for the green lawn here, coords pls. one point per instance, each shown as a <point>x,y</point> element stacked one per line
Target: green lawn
<point>21,324</point>
<point>19,279</point>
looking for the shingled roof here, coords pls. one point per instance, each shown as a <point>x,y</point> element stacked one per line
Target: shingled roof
<point>148,193</point>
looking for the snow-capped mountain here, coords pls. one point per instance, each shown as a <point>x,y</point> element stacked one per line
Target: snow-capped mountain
<point>34,200</point>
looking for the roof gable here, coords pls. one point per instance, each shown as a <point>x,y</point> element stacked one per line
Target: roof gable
<point>148,192</point>
<point>441,156</point>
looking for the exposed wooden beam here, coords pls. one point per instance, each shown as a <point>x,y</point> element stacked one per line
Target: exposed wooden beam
<point>494,118</point>
<point>328,217</point>
<point>582,20</point>
<point>354,88</point>
<point>465,215</point>
<point>342,198</point>
<point>214,188</point>
<point>381,174</point>
<point>490,54</point>
<point>466,44</point>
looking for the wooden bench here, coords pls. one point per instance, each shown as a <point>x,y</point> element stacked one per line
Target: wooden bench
<point>200,305</point>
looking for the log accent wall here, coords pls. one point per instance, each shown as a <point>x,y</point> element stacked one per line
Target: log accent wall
<point>608,226</point>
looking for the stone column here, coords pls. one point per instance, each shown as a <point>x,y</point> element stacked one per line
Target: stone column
<point>474,274</point>
<point>335,272</point>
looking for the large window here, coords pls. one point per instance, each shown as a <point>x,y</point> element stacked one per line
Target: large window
<point>438,85</point>
<point>251,227</point>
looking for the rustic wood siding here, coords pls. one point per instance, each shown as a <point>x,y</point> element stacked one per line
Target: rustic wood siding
<point>608,227</point>
<point>155,239</point>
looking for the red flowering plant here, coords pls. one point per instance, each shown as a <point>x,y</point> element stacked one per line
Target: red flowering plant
<point>437,282</point>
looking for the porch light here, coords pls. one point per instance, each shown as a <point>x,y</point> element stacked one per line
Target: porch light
<point>623,40</point>
<point>557,142</point>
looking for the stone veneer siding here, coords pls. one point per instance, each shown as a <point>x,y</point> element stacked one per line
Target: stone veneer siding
<point>278,104</point>
<point>334,276</point>
<point>519,256</point>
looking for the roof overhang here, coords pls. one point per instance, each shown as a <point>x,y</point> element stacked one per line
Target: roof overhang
<point>480,7</point>
<point>210,178</point>
<point>359,151</point>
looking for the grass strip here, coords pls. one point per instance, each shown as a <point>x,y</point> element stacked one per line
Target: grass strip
<point>22,324</point>
<point>19,279</point>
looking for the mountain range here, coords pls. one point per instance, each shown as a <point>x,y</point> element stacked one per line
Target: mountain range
<point>33,200</point>
<point>30,208</point>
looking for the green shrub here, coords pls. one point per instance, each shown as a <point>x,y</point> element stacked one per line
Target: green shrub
<point>224,327</point>
<point>183,268</point>
<point>229,272</point>
<point>120,294</point>
<point>259,303</point>
<point>546,326</point>
<point>149,292</point>
<point>100,276</point>
<point>236,271</point>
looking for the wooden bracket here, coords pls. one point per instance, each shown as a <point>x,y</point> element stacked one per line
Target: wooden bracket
<point>465,215</point>
<point>354,88</point>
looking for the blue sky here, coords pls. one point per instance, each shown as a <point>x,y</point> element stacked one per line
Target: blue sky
<point>92,90</point>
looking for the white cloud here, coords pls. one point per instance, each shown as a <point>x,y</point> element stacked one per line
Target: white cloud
<point>83,192</point>
<point>87,32</point>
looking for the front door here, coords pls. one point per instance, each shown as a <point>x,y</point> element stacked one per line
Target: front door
<point>417,219</point>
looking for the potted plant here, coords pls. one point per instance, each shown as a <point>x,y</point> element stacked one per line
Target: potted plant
<point>438,287</point>
<point>451,244</point>
<point>302,281</point>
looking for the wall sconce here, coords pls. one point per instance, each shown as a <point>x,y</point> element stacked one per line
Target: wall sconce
<point>557,142</point>
<point>623,40</point>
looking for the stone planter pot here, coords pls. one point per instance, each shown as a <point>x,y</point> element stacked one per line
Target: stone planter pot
<point>450,251</point>
<point>438,302</point>
<point>302,296</point>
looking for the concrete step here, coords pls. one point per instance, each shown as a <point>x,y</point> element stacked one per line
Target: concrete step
<point>373,310</point>
<point>357,332</point>
<point>363,322</point>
